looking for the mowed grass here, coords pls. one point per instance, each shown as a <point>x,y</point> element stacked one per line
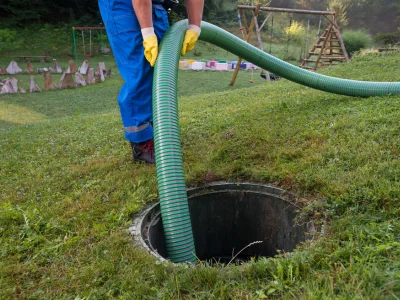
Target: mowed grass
<point>69,189</point>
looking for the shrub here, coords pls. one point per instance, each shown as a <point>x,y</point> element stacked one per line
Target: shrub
<point>296,31</point>
<point>355,40</point>
<point>387,38</point>
<point>9,40</point>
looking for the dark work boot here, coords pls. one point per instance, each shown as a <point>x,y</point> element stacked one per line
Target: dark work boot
<point>144,151</point>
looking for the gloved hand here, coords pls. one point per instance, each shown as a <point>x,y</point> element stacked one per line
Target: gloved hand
<point>150,45</point>
<point>191,36</point>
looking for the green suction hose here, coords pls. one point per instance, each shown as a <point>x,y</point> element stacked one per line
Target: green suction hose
<point>231,43</point>
<point>171,181</point>
<point>170,176</point>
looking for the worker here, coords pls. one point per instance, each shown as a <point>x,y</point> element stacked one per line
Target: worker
<point>135,29</point>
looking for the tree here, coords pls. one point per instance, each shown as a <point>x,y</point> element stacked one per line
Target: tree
<point>22,13</point>
<point>340,7</point>
<point>398,6</point>
<point>373,15</point>
<point>311,4</point>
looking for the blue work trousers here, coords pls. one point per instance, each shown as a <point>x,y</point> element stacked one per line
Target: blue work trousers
<point>125,37</point>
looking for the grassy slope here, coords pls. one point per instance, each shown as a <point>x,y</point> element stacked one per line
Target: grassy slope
<point>69,189</point>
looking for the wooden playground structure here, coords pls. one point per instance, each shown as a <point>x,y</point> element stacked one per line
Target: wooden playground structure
<point>328,50</point>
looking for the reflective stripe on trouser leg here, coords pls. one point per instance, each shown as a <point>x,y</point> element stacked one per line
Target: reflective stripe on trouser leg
<point>126,40</point>
<point>136,128</point>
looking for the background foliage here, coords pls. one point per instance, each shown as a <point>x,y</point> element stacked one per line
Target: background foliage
<point>8,40</point>
<point>372,15</point>
<point>40,26</point>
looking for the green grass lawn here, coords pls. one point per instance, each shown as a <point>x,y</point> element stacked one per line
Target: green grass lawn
<point>69,188</point>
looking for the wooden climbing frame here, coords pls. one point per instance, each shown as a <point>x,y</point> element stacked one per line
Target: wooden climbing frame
<point>328,50</point>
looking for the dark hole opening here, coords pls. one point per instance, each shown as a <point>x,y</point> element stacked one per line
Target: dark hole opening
<point>255,220</point>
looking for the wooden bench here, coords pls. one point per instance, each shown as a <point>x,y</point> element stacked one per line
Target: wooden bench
<point>42,58</point>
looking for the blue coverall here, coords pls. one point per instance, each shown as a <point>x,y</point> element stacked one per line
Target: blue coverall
<point>124,34</point>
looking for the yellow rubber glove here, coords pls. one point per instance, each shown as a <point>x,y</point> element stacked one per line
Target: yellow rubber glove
<point>150,45</point>
<point>189,41</point>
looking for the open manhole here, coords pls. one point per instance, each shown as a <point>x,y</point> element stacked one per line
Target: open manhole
<point>227,218</point>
